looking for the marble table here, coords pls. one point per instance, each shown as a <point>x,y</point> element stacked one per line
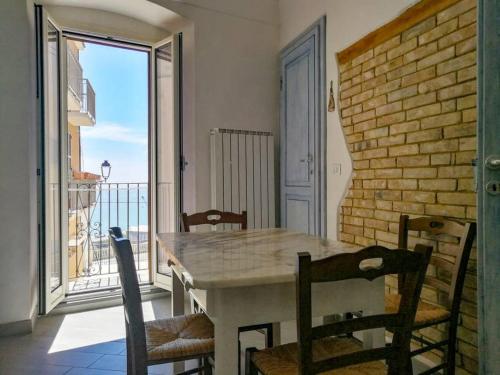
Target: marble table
<point>242,278</point>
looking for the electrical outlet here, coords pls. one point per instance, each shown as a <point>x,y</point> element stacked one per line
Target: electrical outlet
<point>336,169</point>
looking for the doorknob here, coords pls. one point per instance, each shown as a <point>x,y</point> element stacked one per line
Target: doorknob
<point>493,162</point>
<point>493,187</point>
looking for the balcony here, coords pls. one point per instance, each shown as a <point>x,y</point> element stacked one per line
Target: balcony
<point>81,95</point>
<point>93,209</point>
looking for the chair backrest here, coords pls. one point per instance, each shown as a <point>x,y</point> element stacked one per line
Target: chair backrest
<point>134,319</point>
<point>412,264</point>
<point>213,217</point>
<point>441,226</point>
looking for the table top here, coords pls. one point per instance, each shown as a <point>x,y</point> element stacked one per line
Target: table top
<point>224,259</point>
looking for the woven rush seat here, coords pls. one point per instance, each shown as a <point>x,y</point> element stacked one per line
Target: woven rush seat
<point>181,336</point>
<point>283,359</point>
<point>426,313</point>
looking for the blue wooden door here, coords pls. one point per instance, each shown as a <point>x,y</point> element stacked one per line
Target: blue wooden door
<point>489,186</point>
<point>302,116</point>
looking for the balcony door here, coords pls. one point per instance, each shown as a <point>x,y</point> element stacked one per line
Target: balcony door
<point>167,142</point>
<point>52,166</point>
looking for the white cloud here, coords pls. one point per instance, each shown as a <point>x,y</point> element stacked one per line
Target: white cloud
<point>115,133</point>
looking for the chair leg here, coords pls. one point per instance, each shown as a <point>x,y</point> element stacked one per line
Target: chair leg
<point>250,368</point>
<point>451,353</point>
<point>239,355</point>
<point>207,368</point>
<point>269,336</point>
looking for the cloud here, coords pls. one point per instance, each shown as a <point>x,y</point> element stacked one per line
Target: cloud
<point>115,133</point>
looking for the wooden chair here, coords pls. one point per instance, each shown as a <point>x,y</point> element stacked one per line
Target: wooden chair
<point>322,348</point>
<point>161,341</point>
<point>215,217</point>
<point>430,314</point>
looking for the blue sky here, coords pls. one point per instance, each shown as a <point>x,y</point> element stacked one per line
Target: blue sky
<point>120,80</point>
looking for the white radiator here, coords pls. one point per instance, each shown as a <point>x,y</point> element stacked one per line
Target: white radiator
<point>242,175</point>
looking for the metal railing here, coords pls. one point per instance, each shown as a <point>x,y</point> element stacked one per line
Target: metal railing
<point>93,209</point>
<point>88,98</point>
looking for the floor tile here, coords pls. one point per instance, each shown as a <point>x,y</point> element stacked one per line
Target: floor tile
<point>33,369</point>
<point>90,371</point>
<point>110,362</point>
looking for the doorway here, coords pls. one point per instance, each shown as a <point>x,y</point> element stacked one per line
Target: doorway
<point>303,133</point>
<point>109,156</point>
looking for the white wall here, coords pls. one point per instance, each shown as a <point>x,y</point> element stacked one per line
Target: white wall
<point>231,78</point>
<point>346,22</point>
<point>18,245</point>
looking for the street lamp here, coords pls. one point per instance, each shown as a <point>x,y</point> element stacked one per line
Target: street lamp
<point>105,170</point>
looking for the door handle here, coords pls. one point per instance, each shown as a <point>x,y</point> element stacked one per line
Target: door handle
<point>493,162</point>
<point>309,161</point>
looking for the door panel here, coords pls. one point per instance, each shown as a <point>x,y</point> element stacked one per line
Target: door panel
<point>302,133</point>
<point>51,84</point>
<point>489,185</point>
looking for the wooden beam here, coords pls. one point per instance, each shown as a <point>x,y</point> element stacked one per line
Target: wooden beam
<point>412,16</point>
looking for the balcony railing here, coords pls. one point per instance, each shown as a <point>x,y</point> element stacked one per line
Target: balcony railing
<point>80,87</point>
<point>93,209</point>
<point>88,98</point>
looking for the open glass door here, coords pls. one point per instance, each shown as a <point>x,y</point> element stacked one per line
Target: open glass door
<point>51,166</point>
<point>166,153</point>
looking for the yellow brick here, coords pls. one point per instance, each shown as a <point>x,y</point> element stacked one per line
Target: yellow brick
<point>402,93</point>
<point>444,210</point>
<point>402,71</point>
<point>356,79</point>
<point>376,133</point>
<point>389,108</point>
<point>374,184</point>
<point>420,173</point>
<point>471,213</point>
<point>457,63</point>
<point>437,184</point>
<point>419,100</point>
<point>440,159</point>
<point>402,49</point>
<point>439,146</point>
<point>374,82</point>
<point>455,10</point>
<point>389,173</point>
<point>436,58</point>
<point>420,52</point>
<point>419,29</point>
<point>351,220</point>
<point>390,195</point>
<point>365,76</point>
<point>345,103</point>
<point>386,215</point>
<point>466,46</point>
<point>368,232</point>
<point>376,224</point>
<point>465,157</point>
<point>377,60</point>
<point>375,102</point>
<point>457,36</point>
<point>438,32</point>
<point>457,198</point>
<point>357,137</point>
<point>413,161</point>
<point>383,163</point>
<point>467,18</point>
<point>386,236</point>
<point>362,97</point>
<point>456,171</point>
<point>347,121</point>
<point>365,125</point>
<point>424,135</point>
<point>461,130</point>
<point>352,110</point>
<point>391,119</point>
<point>419,196</point>
<point>348,74</point>
<point>363,116</point>
<point>391,43</point>
<point>441,120</point>
<point>425,111</point>
<point>361,164</point>
<point>392,140</point>
<point>383,205</point>
<point>403,150</point>
<point>462,89</point>
<point>388,87</point>
<point>408,207</point>
<point>350,92</point>
<point>466,184</point>
<point>467,74</point>
<point>420,76</point>
<point>405,127</point>
<point>376,153</point>
<point>346,237</point>
<point>437,83</point>
<point>362,212</point>
<point>469,115</point>
<point>449,106</point>
<point>402,184</point>
<point>468,144</point>
<point>388,66</point>
<point>346,85</point>
<point>362,58</point>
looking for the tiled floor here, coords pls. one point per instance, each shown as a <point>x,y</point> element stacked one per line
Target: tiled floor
<point>86,343</point>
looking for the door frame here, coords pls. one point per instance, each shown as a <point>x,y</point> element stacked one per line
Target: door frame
<point>318,28</point>
<point>488,241</point>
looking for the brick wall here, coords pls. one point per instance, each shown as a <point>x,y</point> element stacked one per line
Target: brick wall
<point>408,110</point>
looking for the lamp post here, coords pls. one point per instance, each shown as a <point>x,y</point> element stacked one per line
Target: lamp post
<point>105,170</point>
